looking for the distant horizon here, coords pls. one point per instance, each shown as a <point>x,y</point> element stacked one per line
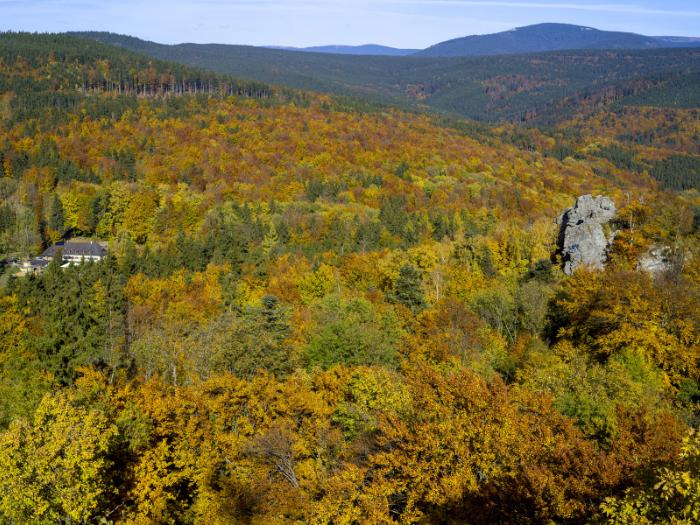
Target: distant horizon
<point>340,45</point>
<point>404,24</point>
<point>367,44</point>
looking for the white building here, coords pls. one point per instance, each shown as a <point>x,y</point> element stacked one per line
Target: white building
<point>73,252</point>
<point>76,251</point>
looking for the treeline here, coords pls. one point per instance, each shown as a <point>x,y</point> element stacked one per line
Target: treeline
<point>678,172</point>
<point>550,87</point>
<point>662,143</point>
<point>41,72</point>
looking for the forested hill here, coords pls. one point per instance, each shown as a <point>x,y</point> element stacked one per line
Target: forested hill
<point>544,37</point>
<point>539,88</point>
<point>312,314</point>
<point>50,73</point>
<point>70,63</point>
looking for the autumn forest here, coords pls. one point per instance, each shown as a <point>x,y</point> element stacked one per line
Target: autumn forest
<point>317,309</point>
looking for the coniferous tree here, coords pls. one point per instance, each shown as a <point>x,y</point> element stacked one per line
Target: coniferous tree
<point>393,214</point>
<point>57,218</point>
<point>408,289</point>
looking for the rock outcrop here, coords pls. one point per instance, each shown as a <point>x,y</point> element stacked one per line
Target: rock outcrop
<point>582,238</point>
<point>657,259</point>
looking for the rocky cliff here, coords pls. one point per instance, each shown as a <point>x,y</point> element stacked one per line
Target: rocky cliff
<point>582,238</point>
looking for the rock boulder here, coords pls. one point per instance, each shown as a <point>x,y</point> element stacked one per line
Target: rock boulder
<point>582,238</point>
<point>657,259</point>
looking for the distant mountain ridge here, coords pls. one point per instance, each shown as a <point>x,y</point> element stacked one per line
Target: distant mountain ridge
<point>364,50</point>
<point>536,87</point>
<point>538,38</point>
<point>550,37</point>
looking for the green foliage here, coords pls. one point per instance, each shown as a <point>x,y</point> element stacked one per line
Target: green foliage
<point>678,91</point>
<point>240,343</point>
<point>678,172</point>
<point>620,157</point>
<point>408,289</point>
<point>318,284</point>
<point>532,301</point>
<point>370,395</point>
<point>353,332</point>
<point>82,311</point>
<point>546,87</point>
<point>590,393</point>
<point>57,217</point>
<point>23,377</point>
<point>71,63</point>
<point>497,306</point>
<point>393,215</point>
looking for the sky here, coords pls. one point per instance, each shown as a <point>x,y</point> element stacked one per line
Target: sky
<point>398,23</point>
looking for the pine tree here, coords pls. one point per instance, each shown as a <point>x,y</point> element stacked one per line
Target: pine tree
<point>57,217</point>
<point>408,289</point>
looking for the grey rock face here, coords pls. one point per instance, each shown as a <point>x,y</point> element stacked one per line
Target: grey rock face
<point>582,240</point>
<point>658,259</point>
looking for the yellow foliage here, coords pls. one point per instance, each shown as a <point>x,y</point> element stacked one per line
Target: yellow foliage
<point>318,284</point>
<point>52,468</point>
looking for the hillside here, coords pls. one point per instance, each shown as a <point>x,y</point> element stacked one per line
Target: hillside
<point>542,88</point>
<point>313,313</point>
<point>538,38</point>
<point>541,38</point>
<point>77,67</point>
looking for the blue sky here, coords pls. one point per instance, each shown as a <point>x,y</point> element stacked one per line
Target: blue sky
<point>401,23</point>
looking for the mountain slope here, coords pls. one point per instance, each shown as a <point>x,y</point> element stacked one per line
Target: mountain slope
<point>77,68</point>
<point>540,38</point>
<point>542,88</point>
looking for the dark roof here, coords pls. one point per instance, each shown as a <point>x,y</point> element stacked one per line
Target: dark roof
<point>76,248</point>
<point>38,263</point>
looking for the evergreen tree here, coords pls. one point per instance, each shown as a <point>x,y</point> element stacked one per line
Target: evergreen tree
<point>282,232</point>
<point>130,263</point>
<point>255,340</point>
<point>274,316</point>
<point>393,214</point>
<point>408,289</point>
<point>57,217</point>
